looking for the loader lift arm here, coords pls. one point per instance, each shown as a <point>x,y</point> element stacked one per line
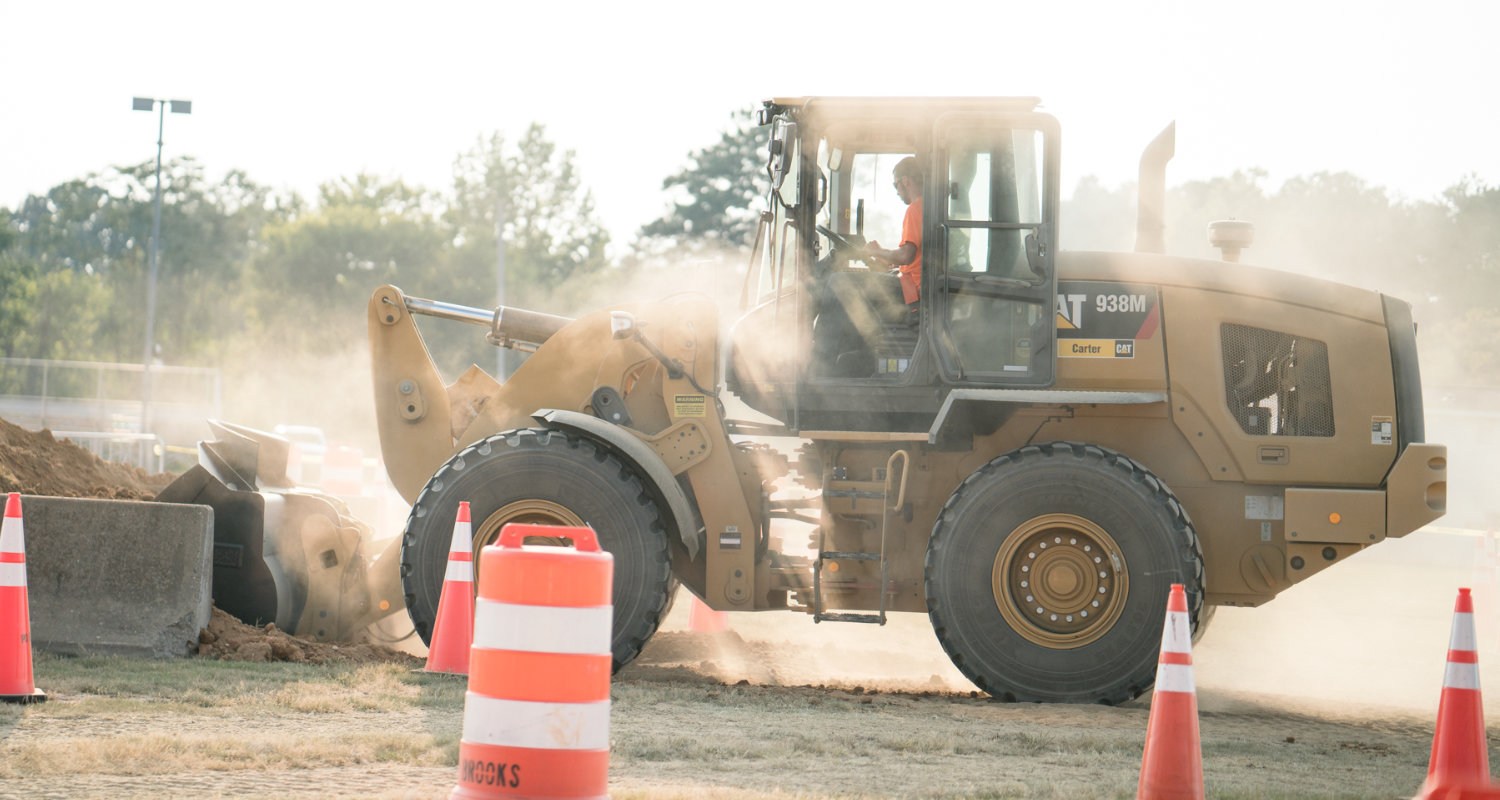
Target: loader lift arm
<point>640,382</point>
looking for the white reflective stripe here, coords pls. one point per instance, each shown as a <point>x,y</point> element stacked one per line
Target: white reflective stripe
<point>1461,676</point>
<point>1463,632</point>
<point>463,538</point>
<point>1174,678</point>
<point>544,726</point>
<point>460,571</point>
<point>1176,635</point>
<point>12,536</point>
<point>543,629</point>
<point>12,574</point>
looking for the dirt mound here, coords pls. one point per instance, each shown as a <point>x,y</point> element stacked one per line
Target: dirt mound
<point>33,462</point>
<point>36,463</point>
<point>229,639</point>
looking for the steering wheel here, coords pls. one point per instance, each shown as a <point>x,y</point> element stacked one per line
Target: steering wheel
<point>849,245</point>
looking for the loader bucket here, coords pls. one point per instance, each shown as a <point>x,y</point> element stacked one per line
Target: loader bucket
<point>244,584</point>
<point>284,554</point>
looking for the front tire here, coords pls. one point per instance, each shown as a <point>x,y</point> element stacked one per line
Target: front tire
<point>1048,573</point>
<point>544,477</point>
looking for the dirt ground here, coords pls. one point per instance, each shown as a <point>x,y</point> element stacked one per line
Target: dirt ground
<point>774,707</point>
<point>34,462</point>
<point>37,463</point>
<point>232,640</point>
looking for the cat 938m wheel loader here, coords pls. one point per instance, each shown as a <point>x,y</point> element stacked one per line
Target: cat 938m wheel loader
<point>1030,454</point>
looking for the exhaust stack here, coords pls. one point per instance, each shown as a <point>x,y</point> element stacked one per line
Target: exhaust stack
<point>1150,224</point>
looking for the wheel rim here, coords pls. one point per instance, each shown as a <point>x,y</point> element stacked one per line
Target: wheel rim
<point>529,512</point>
<point>1060,581</point>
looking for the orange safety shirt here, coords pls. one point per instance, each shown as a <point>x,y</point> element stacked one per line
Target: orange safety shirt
<point>911,231</point>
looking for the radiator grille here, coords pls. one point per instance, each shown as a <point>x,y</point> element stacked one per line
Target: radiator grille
<point>1276,383</point>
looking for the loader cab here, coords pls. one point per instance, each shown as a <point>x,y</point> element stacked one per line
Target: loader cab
<point>984,312</point>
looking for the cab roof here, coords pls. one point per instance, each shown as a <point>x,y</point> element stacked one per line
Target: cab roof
<point>918,106</point>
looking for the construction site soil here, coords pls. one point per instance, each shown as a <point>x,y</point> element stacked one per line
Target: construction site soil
<point>232,640</point>
<point>36,462</point>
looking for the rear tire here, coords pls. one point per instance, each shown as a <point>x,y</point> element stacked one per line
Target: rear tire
<point>546,477</point>
<point>1048,574</point>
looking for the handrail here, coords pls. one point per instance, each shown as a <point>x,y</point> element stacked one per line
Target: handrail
<point>905,468</point>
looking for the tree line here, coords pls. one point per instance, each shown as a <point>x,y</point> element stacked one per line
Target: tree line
<point>242,263</point>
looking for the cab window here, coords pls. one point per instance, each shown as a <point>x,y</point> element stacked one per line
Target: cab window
<point>997,281</point>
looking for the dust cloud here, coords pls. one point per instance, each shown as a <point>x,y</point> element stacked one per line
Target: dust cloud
<point>1367,637</point>
<point>713,273</point>
<point>1371,632</point>
<point>329,390</point>
<point>265,384</point>
<point>786,648</point>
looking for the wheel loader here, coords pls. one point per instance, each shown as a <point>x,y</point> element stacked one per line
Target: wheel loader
<point>1031,453</point>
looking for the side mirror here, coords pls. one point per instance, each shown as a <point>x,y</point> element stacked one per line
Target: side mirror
<point>621,324</point>
<point>781,152</point>
<point>1036,254</point>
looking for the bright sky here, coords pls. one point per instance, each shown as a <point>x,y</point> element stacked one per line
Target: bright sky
<point>298,93</point>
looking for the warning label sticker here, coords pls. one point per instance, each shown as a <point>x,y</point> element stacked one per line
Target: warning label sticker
<point>1381,430</point>
<point>1096,348</point>
<point>689,405</point>
<point>1264,507</point>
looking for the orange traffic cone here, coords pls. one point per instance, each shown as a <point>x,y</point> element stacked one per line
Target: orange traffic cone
<point>1460,763</point>
<point>1172,765</point>
<point>453,629</point>
<point>16,683</point>
<point>702,619</point>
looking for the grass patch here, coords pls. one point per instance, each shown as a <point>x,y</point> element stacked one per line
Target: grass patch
<point>123,716</point>
<point>208,684</point>
<point>132,723</point>
<point>166,754</point>
<point>368,688</point>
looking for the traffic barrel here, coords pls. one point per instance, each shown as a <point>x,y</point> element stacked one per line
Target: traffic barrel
<point>1460,762</point>
<point>17,684</point>
<point>453,628</point>
<point>536,716</point>
<point>1172,764</point>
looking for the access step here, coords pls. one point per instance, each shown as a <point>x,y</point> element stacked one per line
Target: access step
<point>841,617</point>
<point>849,556</point>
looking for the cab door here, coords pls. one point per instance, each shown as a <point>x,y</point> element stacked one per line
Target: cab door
<point>767,343</point>
<point>991,206</point>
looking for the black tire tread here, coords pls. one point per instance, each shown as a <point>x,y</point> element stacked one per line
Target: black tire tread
<point>1184,535</point>
<point>634,484</point>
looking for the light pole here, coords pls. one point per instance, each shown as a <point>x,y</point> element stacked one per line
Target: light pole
<point>178,107</point>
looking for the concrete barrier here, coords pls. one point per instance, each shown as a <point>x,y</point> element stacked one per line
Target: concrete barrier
<point>117,577</point>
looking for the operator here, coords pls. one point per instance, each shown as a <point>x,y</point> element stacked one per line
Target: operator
<point>906,258</point>
<point>857,303</point>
